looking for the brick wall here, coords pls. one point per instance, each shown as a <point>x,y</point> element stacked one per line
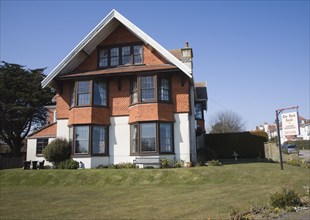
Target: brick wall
<point>151,112</point>
<point>89,115</point>
<point>121,35</point>
<point>63,101</point>
<point>119,96</point>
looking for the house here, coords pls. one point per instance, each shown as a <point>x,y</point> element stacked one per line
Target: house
<point>304,130</point>
<point>121,97</point>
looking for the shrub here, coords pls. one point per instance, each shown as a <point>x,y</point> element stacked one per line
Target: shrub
<point>68,164</point>
<point>178,164</point>
<point>214,163</point>
<point>295,161</point>
<point>123,166</point>
<point>284,198</point>
<point>57,151</point>
<point>166,163</point>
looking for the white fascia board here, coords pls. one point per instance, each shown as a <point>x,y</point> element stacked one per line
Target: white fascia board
<point>77,49</point>
<point>140,34</point>
<point>148,40</point>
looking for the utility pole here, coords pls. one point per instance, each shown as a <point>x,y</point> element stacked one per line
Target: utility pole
<point>278,112</point>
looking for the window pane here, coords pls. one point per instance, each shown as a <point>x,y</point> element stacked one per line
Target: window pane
<point>165,137</point>
<point>125,55</point>
<point>99,142</point>
<point>147,88</point>
<point>81,139</point>
<point>72,95</point>
<point>100,93</point>
<point>164,90</point>
<point>137,54</point>
<point>41,144</point>
<point>134,93</point>
<point>84,93</point>
<point>114,53</point>
<point>134,139</point>
<point>103,58</point>
<point>148,137</point>
<point>198,111</point>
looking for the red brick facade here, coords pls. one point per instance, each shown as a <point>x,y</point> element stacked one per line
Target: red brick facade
<point>119,103</point>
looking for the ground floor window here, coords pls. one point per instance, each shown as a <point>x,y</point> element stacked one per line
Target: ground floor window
<point>151,138</point>
<point>89,139</point>
<point>41,144</point>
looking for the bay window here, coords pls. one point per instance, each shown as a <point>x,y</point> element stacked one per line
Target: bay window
<point>150,89</point>
<point>147,88</point>
<point>86,93</point>
<point>151,138</point>
<point>89,139</point>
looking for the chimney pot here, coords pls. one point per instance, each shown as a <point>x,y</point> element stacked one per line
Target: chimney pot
<point>186,44</point>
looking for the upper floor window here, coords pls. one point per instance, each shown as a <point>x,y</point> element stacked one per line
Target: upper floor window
<point>198,111</point>
<point>122,55</point>
<point>150,89</point>
<point>85,93</point>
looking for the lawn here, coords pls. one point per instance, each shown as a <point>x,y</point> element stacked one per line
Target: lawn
<point>185,193</point>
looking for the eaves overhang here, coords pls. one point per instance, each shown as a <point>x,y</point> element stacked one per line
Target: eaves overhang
<point>97,35</point>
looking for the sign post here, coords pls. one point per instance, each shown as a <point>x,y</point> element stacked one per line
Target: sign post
<point>291,126</point>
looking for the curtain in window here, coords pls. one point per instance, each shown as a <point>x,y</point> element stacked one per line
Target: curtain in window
<point>147,88</point>
<point>81,139</point>
<point>100,93</point>
<point>163,89</point>
<point>84,93</point>
<point>98,136</point>
<point>165,137</point>
<point>148,137</point>
<point>137,54</point>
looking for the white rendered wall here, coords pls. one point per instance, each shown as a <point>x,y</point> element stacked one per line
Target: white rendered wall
<point>182,137</point>
<point>32,151</point>
<point>62,129</point>
<point>119,140</point>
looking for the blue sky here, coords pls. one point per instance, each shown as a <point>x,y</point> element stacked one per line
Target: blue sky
<point>254,55</point>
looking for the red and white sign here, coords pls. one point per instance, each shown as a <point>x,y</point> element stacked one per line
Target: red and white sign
<point>290,124</point>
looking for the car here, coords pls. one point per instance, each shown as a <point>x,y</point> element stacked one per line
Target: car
<point>291,148</point>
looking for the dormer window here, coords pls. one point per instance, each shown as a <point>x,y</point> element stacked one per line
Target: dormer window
<point>121,55</point>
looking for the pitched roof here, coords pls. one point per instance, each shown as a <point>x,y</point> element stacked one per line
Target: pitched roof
<point>47,131</point>
<point>97,35</point>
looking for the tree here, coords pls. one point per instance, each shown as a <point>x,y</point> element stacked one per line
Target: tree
<point>226,122</point>
<point>22,103</point>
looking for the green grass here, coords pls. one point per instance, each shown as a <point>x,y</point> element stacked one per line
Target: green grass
<point>186,193</point>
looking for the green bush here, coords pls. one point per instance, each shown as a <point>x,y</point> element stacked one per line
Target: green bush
<point>68,164</point>
<point>122,166</point>
<point>284,198</point>
<point>57,151</point>
<point>214,163</point>
<point>178,164</point>
<point>166,163</point>
<point>295,161</point>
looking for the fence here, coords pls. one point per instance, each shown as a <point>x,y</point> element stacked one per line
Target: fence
<point>272,152</point>
<point>11,162</point>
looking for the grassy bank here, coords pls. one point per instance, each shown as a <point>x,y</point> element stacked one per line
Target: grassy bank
<point>199,192</point>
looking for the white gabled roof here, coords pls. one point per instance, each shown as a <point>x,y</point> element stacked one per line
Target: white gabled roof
<point>97,35</point>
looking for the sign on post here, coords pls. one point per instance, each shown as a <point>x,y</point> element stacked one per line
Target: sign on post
<point>290,124</point>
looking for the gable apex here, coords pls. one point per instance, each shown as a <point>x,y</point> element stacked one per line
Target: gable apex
<point>100,32</point>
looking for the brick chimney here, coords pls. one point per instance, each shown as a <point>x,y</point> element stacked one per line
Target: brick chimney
<point>187,56</point>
